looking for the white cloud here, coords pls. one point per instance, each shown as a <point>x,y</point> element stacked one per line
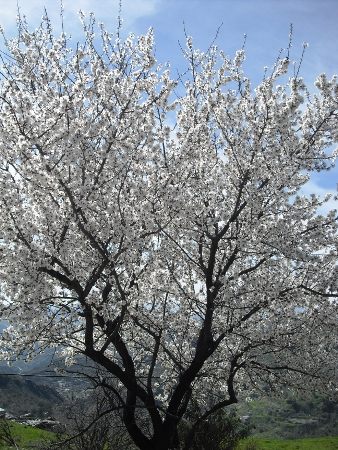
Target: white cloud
<point>106,11</point>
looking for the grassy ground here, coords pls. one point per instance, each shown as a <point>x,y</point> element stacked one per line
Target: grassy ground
<point>25,436</point>
<point>323,443</point>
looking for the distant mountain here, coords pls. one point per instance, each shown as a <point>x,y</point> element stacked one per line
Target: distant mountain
<point>24,385</point>
<point>19,395</point>
<point>37,365</point>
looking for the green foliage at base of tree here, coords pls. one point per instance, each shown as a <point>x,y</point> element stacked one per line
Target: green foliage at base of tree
<point>221,431</point>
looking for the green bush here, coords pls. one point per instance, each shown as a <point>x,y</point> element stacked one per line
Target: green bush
<point>221,431</point>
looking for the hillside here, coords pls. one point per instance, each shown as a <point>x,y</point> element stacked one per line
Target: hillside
<point>291,417</point>
<point>20,396</point>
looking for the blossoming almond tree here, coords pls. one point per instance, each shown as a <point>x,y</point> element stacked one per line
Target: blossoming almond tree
<point>180,258</point>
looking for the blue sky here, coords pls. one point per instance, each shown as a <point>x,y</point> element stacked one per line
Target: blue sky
<point>266,23</point>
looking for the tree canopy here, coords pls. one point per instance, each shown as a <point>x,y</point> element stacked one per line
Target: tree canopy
<point>157,226</point>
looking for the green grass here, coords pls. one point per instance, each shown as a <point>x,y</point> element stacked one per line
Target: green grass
<point>25,436</point>
<point>321,443</point>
